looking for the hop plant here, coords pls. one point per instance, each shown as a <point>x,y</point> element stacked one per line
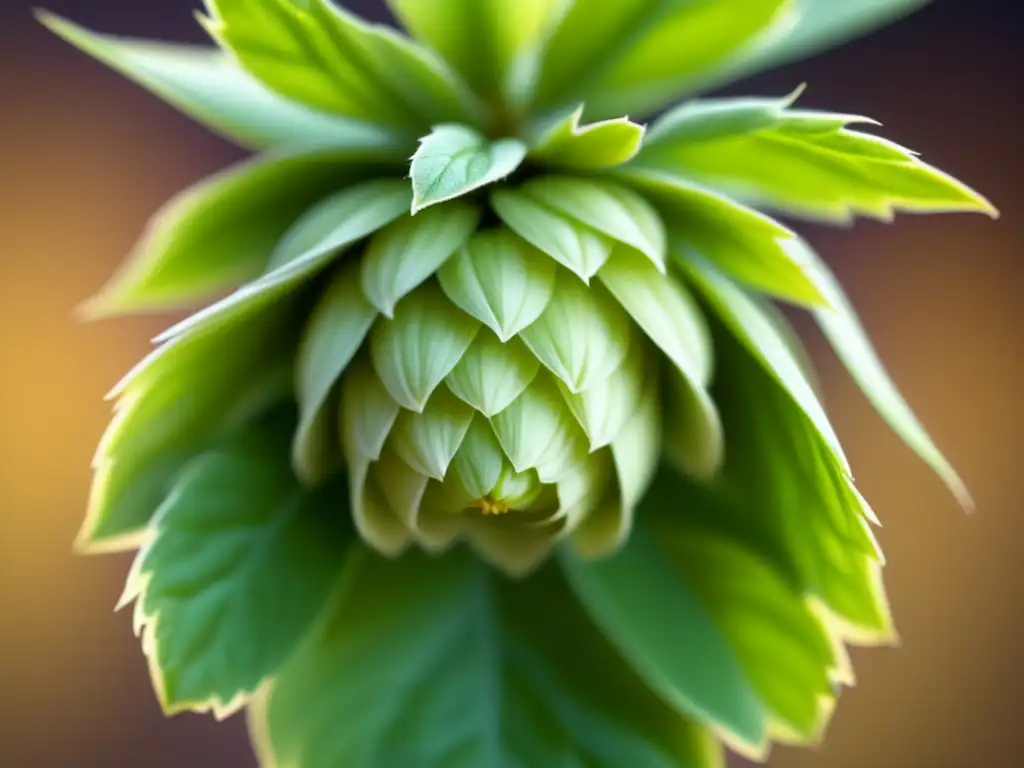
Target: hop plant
<point>501,455</point>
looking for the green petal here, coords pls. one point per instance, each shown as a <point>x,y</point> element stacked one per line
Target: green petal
<point>428,441</point>
<point>694,437</point>
<point>376,522</point>
<point>321,55</point>
<point>582,337</point>
<point>336,329</point>
<point>751,247</point>
<point>572,245</point>
<point>664,310</point>
<point>454,160</point>
<point>592,147</point>
<point>242,562</point>
<point>492,374</point>
<point>404,254</point>
<point>367,413</point>
<point>501,280</point>
<point>605,207</point>
<point>209,87</point>
<point>478,465</point>
<point>414,352</point>
<point>401,487</point>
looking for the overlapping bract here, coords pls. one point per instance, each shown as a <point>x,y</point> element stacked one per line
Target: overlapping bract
<point>548,335</point>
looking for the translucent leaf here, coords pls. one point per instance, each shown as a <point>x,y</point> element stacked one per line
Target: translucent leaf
<point>645,607</point>
<point>596,146</point>
<point>321,55</point>
<point>523,648</point>
<point>404,254</point>
<point>501,280</point>
<point>209,87</point>
<point>414,352</point>
<point>428,441</point>
<point>606,207</point>
<point>242,561</point>
<point>367,412</point>
<point>333,334</point>
<point>853,346</point>
<point>632,56</point>
<point>453,160</point>
<point>751,247</point>
<point>571,244</point>
<point>582,337</point>
<point>222,231</point>
<point>492,374</point>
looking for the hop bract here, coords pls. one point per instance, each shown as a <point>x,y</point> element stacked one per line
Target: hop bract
<point>492,447</point>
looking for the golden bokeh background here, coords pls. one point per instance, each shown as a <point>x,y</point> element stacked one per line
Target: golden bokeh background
<point>85,158</point>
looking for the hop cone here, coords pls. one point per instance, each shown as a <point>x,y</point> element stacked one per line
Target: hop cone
<point>502,454</point>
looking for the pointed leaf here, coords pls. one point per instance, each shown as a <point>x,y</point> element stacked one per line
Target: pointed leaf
<point>564,239</point>
<point>404,254</point>
<point>333,334</point>
<point>428,441</point>
<point>209,87</point>
<point>596,146</point>
<point>582,337</point>
<point>501,280</point>
<point>492,374</point>
<point>415,351</point>
<point>606,207</point>
<point>699,120</point>
<point>321,55</point>
<point>454,160</point>
<point>242,562</point>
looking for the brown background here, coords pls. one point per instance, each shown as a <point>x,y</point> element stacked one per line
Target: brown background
<point>84,159</point>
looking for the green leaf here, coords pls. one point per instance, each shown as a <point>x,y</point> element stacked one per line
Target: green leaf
<point>367,412</point>
<point>643,604</point>
<point>222,231</point>
<point>453,160</point>
<point>321,55</point>
<point>428,441</point>
<point>336,329</point>
<point>606,207</point>
<point>632,56</point>
<point>582,337</point>
<point>501,280</point>
<point>209,87</point>
<point>492,373</point>
<point>753,248</point>
<point>801,162</point>
<point>404,254</point>
<point>567,241</point>
<point>596,146</point>
<point>414,352</point>
<point>242,561</point>
<point>506,670</point>
<point>844,330</point>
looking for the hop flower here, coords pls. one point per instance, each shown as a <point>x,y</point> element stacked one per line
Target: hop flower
<point>549,336</point>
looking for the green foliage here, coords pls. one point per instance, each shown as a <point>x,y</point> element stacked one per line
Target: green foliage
<point>567,144</point>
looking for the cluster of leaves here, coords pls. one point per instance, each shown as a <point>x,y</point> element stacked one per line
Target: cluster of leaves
<point>357,286</point>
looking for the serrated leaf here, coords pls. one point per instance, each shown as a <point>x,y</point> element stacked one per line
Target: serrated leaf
<point>708,119</point>
<point>754,328</point>
<point>852,345</point>
<point>632,56</point>
<point>453,160</point>
<point>606,207</point>
<point>574,246</point>
<point>501,280</point>
<point>492,374</point>
<point>523,648</point>
<point>242,562</point>
<point>595,146</point>
<point>644,606</point>
<point>326,230</point>
<point>209,87</point>
<point>222,231</point>
<point>321,55</point>
<point>582,337</point>
<point>805,163</point>
<point>414,352</point>
<point>401,256</point>
<point>428,441</point>
<point>337,327</point>
<point>750,246</point>
<point>605,408</point>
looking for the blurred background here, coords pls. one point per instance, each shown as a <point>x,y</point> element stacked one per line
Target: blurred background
<point>85,157</point>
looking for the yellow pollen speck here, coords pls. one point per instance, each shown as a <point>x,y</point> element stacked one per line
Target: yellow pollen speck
<point>490,508</point>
